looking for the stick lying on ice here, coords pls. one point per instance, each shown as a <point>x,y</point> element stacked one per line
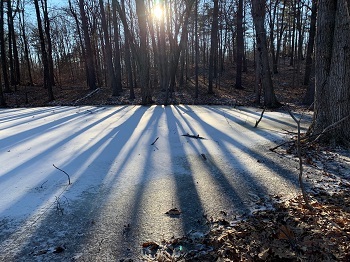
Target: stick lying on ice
<point>194,136</point>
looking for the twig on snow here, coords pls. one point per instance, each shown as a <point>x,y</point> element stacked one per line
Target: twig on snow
<point>154,141</point>
<point>261,116</point>
<point>63,172</point>
<point>43,184</point>
<point>194,136</point>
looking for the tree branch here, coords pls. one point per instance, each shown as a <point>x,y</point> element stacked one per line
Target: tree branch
<point>63,172</point>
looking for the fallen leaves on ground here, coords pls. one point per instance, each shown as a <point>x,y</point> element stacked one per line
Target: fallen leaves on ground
<point>288,232</point>
<point>173,212</point>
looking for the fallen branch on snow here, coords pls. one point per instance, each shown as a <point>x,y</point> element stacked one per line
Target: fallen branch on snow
<point>63,172</point>
<point>194,136</point>
<point>261,116</point>
<point>154,141</point>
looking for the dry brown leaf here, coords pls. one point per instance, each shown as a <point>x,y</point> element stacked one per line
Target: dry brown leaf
<point>173,212</point>
<point>151,245</point>
<point>285,232</point>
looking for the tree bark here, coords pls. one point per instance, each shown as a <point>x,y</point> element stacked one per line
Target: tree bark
<point>47,79</point>
<point>49,42</point>
<point>143,55</point>
<point>332,78</point>
<point>111,79</point>
<point>117,66</point>
<point>90,73</point>
<point>258,12</point>
<point>213,46</point>
<point>26,49</point>
<point>310,45</point>
<point>240,45</point>
<point>4,64</point>
<point>128,63</point>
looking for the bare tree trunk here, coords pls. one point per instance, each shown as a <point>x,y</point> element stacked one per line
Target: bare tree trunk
<point>26,49</point>
<point>118,68</point>
<point>111,79</point>
<point>48,40</point>
<point>310,45</point>
<point>127,54</point>
<point>47,79</point>
<point>213,46</point>
<point>196,51</point>
<point>13,52</point>
<point>332,98</point>
<point>90,73</point>
<point>240,45</point>
<point>258,12</point>
<point>143,55</point>
<point>2,98</point>
<point>4,64</point>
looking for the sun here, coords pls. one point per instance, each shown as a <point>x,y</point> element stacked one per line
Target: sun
<point>157,12</point>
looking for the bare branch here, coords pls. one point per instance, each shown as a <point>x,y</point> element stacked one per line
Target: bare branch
<point>63,172</point>
<point>261,116</point>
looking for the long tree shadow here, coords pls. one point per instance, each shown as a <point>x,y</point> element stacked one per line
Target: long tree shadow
<point>133,183</point>
<point>252,176</point>
<point>46,219</point>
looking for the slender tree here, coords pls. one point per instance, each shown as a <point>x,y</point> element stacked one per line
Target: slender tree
<point>25,44</point>
<point>111,79</point>
<point>310,45</point>
<point>117,59</point>
<point>240,45</point>
<point>47,29</point>
<point>90,73</point>
<point>47,78</point>
<point>2,97</point>
<point>13,49</point>
<point>213,46</point>
<point>144,62</point>
<point>4,64</point>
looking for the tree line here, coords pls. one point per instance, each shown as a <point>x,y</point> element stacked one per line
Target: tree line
<point>128,44</point>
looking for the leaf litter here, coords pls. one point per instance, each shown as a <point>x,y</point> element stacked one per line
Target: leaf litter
<point>286,232</point>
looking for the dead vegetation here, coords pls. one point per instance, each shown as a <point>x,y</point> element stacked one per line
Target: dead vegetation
<point>290,231</point>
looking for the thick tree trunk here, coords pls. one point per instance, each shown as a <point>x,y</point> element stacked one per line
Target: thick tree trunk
<point>258,12</point>
<point>332,53</point>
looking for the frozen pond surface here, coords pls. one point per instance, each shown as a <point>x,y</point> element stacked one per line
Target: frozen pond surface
<point>121,184</point>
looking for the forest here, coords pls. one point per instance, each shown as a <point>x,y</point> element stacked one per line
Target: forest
<point>156,47</point>
<point>142,71</point>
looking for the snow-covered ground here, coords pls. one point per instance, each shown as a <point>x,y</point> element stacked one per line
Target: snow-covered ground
<point>122,184</point>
